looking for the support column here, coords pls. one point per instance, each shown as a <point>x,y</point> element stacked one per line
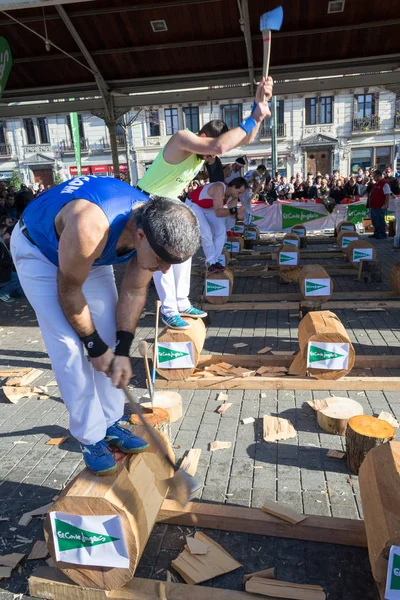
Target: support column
<point>112,131</point>
<point>274,144</point>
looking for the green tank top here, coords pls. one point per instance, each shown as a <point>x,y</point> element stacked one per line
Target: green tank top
<point>165,179</point>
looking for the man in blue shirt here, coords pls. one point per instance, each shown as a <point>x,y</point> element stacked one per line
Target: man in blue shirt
<point>63,249</point>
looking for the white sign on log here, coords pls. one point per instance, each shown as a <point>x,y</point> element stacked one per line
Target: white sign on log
<point>238,229</point>
<point>222,260</point>
<point>290,242</point>
<point>217,287</point>
<point>346,228</point>
<point>175,355</point>
<point>288,258</point>
<point>96,541</point>
<point>392,591</point>
<point>325,355</point>
<point>317,287</point>
<point>250,234</point>
<point>299,232</point>
<point>347,239</point>
<point>362,254</point>
<point>232,246</point>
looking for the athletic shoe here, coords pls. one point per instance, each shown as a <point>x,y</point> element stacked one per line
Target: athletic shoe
<point>125,440</point>
<point>214,268</point>
<point>6,298</point>
<point>193,312</point>
<point>98,458</point>
<point>175,322</point>
<point>220,266</point>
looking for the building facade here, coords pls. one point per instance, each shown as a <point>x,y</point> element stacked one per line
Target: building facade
<point>341,129</point>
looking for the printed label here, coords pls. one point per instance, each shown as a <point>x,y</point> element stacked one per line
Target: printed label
<point>217,287</point>
<point>392,591</point>
<point>346,240</point>
<point>346,228</point>
<point>232,246</point>
<point>288,258</point>
<point>250,234</point>
<point>290,242</point>
<point>362,254</point>
<point>317,287</point>
<point>238,228</point>
<point>254,219</point>
<point>175,355</point>
<point>89,540</point>
<point>321,355</point>
<point>222,260</point>
<point>299,232</point>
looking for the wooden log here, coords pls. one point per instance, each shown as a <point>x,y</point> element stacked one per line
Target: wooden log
<point>227,257</point>
<point>158,419</point>
<point>291,275</point>
<point>218,286</point>
<point>324,343</point>
<point>288,257</point>
<point>395,277</point>
<point>179,350</point>
<point>251,236</point>
<point>344,226</point>
<point>345,238</point>
<point>315,283</point>
<point>291,239</point>
<point>134,493</point>
<point>334,418</point>
<point>169,401</point>
<point>364,433</point>
<point>360,250</point>
<point>379,479</point>
<point>234,244</point>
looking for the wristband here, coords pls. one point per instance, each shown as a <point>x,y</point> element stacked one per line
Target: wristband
<point>233,210</point>
<point>123,343</point>
<point>94,344</point>
<point>253,108</point>
<point>248,124</point>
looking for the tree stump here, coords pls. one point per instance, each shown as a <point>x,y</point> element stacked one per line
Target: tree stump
<point>307,306</point>
<point>344,226</point>
<point>345,238</point>
<point>288,258</point>
<point>158,419</point>
<point>169,401</point>
<point>359,251</point>
<point>179,350</point>
<point>395,276</point>
<point>315,283</point>
<point>291,239</point>
<point>225,258</point>
<point>251,235</point>
<point>335,417</point>
<point>218,287</point>
<point>301,231</point>
<point>364,433</point>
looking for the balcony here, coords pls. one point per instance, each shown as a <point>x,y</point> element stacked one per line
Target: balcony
<point>364,124</point>
<point>5,150</point>
<point>67,147</point>
<point>266,130</point>
<point>121,143</point>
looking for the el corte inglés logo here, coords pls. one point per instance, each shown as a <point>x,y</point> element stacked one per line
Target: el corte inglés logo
<point>70,537</point>
<point>358,254</point>
<point>214,287</point>
<point>284,258</point>
<point>320,354</point>
<point>293,216</point>
<point>255,218</point>
<point>167,354</point>
<point>395,579</point>
<point>313,287</point>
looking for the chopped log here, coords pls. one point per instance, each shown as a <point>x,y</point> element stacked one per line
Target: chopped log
<point>291,275</point>
<point>181,348</point>
<point>345,238</point>
<point>26,378</point>
<point>288,257</point>
<point>284,589</point>
<point>323,340</point>
<point>335,417</point>
<point>344,226</point>
<point>379,479</point>
<point>191,461</point>
<point>218,287</point>
<point>169,401</point>
<point>234,244</point>
<point>394,276</point>
<point>364,433</point>
<point>158,419</point>
<point>251,236</point>
<point>360,250</point>
<point>291,239</point>
<point>134,493</point>
<point>276,428</point>
<point>315,283</point>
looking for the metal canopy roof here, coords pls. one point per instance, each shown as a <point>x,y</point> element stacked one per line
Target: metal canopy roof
<point>108,48</point>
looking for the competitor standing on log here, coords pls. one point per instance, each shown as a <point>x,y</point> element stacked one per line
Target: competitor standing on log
<point>63,250</point>
<point>208,203</point>
<point>174,167</point>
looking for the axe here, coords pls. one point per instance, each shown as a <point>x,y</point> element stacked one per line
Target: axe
<point>269,21</point>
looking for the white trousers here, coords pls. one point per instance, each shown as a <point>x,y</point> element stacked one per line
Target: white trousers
<point>92,401</point>
<point>212,231</point>
<point>173,288</point>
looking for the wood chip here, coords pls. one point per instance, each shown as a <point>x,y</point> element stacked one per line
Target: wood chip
<point>5,572</point>
<point>282,512</point>
<point>271,370</point>
<point>162,591</point>
<point>223,407</point>
<point>11,560</point>
<point>248,374</point>
<point>25,520</point>
<point>335,454</point>
<point>248,420</point>
<point>37,512</point>
<point>220,445</point>
<point>225,365</point>
<point>15,394</point>
<point>264,350</point>
<point>266,573</point>
<point>282,352</point>
<point>56,441</point>
<point>196,546</point>
<point>191,461</point>
<point>389,418</point>
<point>240,371</point>
<point>283,589</point>
<point>275,429</point>
<point>38,551</point>
<point>372,309</point>
<point>50,562</point>
<point>199,568</point>
<point>240,345</point>
<point>320,404</point>
<point>26,378</point>
<point>222,397</point>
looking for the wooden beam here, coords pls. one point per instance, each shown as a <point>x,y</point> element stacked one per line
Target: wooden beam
<point>254,361</point>
<point>295,296</point>
<point>349,532</point>
<point>331,305</point>
<point>243,255</point>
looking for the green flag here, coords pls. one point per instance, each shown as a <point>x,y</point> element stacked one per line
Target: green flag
<point>76,140</point>
<point>5,63</point>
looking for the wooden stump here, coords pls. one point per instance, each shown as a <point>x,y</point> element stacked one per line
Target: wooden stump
<point>134,493</point>
<point>301,231</point>
<point>169,401</point>
<point>291,239</point>
<point>395,276</point>
<point>218,287</point>
<point>158,419</point>
<point>288,258</point>
<point>345,238</point>
<point>227,258</point>
<point>307,306</point>
<point>364,433</point>
<point>318,329</point>
<point>251,235</point>
<point>344,226</point>
<point>379,479</point>
<point>315,283</point>
<point>334,418</point>
<point>234,244</point>
<point>180,347</point>
<point>359,251</point>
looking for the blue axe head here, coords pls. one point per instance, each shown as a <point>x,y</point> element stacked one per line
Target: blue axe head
<point>272,20</point>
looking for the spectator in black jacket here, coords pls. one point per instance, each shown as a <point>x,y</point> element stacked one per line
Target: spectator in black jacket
<point>22,199</point>
<point>337,191</point>
<point>351,188</point>
<point>392,181</point>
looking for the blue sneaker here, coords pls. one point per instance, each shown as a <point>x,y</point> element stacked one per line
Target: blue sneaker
<point>98,458</point>
<point>193,312</point>
<point>125,440</point>
<point>175,322</point>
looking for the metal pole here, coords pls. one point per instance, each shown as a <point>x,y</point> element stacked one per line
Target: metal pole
<point>112,130</point>
<point>274,146</point>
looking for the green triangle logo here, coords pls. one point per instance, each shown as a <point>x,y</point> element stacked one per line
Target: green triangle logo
<point>255,218</point>
<point>292,216</point>
<point>214,287</point>
<point>320,354</point>
<point>395,579</point>
<point>358,254</point>
<point>230,245</point>
<point>284,258</point>
<point>70,537</point>
<point>167,354</point>
<point>313,287</point>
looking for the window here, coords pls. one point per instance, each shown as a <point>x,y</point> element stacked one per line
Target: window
<point>365,105</point>
<point>171,120</point>
<point>232,115</point>
<point>383,157</point>
<point>80,125</point>
<point>30,131</point>
<point>319,110</point>
<point>2,133</point>
<point>361,158</point>
<point>153,123</point>
<point>191,118</point>
<point>43,130</point>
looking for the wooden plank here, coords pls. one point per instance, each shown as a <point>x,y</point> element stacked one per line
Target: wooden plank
<point>331,305</point>
<point>283,589</point>
<point>254,361</point>
<point>53,585</point>
<point>191,461</point>
<point>315,528</point>
<point>268,573</point>
<point>26,379</point>
<point>294,296</point>
<point>282,512</point>
<point>383,384</point>
<point>264,273</point>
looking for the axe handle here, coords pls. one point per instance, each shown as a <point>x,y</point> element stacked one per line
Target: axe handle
<point>266,35</point>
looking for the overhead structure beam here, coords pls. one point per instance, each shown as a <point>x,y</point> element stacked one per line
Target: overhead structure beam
<point>19,4</point>
<point>243,7</point>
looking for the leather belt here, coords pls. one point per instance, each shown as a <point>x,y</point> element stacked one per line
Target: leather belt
<point>25,232</point>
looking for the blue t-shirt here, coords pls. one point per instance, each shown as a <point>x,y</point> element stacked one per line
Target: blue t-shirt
<point>115,198</point>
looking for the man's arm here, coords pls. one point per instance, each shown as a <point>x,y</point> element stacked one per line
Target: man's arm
<point>217,194</point>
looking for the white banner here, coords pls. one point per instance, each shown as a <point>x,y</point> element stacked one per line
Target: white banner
<point>321,355</point>
<point>217,287</point>
<point>175,355</point>
<point>317,287</point>
<point>96,541</point>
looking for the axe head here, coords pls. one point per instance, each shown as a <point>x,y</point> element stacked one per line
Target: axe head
<point>272,20</point>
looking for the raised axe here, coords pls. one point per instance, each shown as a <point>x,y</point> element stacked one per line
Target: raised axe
<point>269,21</point>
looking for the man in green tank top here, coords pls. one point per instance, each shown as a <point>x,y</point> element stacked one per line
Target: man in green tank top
<point>174,168</point>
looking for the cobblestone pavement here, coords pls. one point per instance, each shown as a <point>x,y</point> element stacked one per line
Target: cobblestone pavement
<point>296,471</point>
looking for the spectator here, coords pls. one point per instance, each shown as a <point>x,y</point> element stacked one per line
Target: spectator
<point>378,201</point>
<point>337,191</point>
<point>316,186</point>
<point>10,207</point>
<point>351,188</point>
<point>9,282</point>
<point>392,181</point>
<point>22,199</point>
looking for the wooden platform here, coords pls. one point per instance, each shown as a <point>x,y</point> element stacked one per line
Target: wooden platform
<point>272,271</point>
<point>282,305</point>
